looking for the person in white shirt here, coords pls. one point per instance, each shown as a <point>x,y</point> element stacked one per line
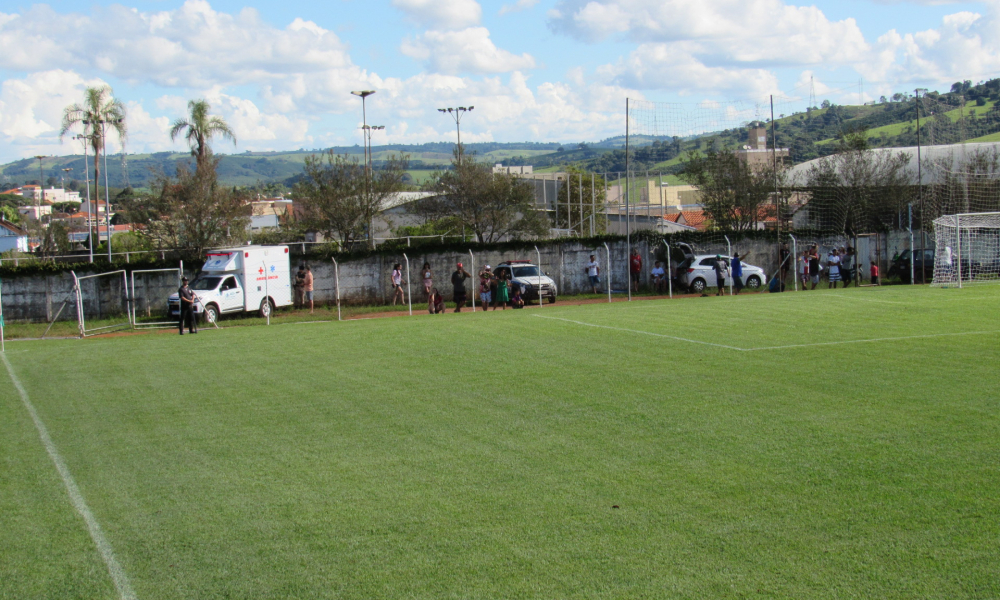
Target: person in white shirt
<point>833,268</point>
<point>659,277</point>
<point>397,284</point>
<point>593,271</point>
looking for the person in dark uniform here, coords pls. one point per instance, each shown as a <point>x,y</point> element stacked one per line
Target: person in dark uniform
<point>187,298</point>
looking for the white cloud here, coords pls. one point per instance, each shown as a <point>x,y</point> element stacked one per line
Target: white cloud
<point>442,14</point>
<point>192,46</point>
<point>465,51</point>
<point>765,31</point>
<point>516,7</point>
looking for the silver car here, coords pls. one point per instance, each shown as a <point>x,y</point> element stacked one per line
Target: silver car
<point>697,273</point>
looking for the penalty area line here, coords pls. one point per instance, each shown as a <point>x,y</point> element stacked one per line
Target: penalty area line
<point>761,348</point>
<point>639,331</point>
<point>118,576</point>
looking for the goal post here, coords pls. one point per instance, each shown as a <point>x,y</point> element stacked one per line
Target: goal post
<point>102,302</point>
<point>967,249</point>
<point>150,289</point>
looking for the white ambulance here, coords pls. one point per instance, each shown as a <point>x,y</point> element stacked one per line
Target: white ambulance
<point>241,279</point>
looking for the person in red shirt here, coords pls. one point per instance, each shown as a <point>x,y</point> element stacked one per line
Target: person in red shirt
<point>874,273</point>
<point>635,268</point>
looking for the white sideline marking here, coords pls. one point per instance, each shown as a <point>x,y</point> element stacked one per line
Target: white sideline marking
<point>76,497</point>
<point>642,333</point>
<point>846,297</point>
<point>884,339</point>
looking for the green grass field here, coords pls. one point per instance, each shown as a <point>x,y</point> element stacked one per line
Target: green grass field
<point>824,444</point>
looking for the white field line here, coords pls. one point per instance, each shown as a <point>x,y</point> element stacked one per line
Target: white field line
<point>759,348</point>
<point>76,497</point>
<point>671,337</point>
<point>846,297</point>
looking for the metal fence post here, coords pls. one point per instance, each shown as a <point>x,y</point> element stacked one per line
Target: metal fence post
<point>336,280</point>
<point>409,293</point>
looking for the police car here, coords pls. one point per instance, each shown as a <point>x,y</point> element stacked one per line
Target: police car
<point>533,283</point>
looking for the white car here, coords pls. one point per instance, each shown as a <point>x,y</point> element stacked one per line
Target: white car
<point>533,283</point>
<point>697,273</point>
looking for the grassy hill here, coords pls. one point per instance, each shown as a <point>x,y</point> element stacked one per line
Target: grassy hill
<point>966,113</point>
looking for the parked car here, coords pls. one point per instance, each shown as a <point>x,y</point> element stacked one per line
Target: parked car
<point>695,272</point>
<point>900,266</point>
<point>533,283</point>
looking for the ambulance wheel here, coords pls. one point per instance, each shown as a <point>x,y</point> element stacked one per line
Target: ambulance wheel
<point>211,313</point>
<point>266,308</point>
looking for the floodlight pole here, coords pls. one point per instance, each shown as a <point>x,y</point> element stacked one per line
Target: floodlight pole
<point>795,255</point>
<point>670,271</point>
<point>729,249</point>
<point>41,188</point>
<point>472,263</point>
<point>366,137</point>
<point>607,252</point>
<point>336,279</point>
<point>90,204</point>
<point>409,293</point>
<point>456,113</point>
<point>958,248</point>
<point>538,255</point>
<point>913,251</point>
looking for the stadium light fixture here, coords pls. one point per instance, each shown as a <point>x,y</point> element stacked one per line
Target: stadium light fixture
<point>456,113</point>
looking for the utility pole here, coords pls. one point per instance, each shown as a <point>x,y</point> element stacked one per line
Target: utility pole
<point>41,188</point>
<point>364,125</point>
<point>920,188</point>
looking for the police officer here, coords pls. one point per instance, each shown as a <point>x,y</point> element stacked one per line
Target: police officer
<point>187,298</point>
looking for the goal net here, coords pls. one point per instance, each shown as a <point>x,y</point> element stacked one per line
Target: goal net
<point>149,293</point>
<point>967,249</point>
<point>102,302</point>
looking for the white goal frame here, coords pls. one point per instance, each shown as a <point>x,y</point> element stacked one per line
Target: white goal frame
<point>81,318</point>
<point>133,299</point>
<point>952,249</point>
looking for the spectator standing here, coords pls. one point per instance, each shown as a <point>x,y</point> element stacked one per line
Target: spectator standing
<point>659,277</point>
<point>593,271</point>
<point>501,294</point>
<point>485,286</point>
<point>874,272</point>
<point>833,264</point>
<point>721,270</point>
<point>803,268</point>
<point>785,260</point>
<point>428,277</point>
<point>635,268</point>
<point>397,284</point>
<point>847,267</point>
<point>737,267</point>
<point>458,278</point>
<point>299,286</point>
<point>187,298</point>
<point>814,267</point>
<point>307,289</point>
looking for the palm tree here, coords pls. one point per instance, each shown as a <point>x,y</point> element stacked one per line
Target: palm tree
<point>200,129</point>
<point>99,112</point>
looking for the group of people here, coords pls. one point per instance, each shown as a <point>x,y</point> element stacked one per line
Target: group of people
<point>840,266</point>
<point>303,287</point>
<point>496,290</point>
<point>658,273</point>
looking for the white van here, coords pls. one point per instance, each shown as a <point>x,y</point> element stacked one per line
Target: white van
<point>241,279</point>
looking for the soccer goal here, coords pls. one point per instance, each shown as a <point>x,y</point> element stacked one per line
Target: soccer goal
<point>150,289</point>
<point>102,302</point>
<point>967,249</point>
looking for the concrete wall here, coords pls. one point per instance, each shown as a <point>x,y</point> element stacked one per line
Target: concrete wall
<point>366,281</point>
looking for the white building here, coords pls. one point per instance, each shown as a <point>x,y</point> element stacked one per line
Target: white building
<point>12,237</point>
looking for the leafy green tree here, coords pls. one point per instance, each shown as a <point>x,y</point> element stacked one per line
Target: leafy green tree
<point>491,205</point>
<point>100,113</point>
<point>339,197</point>
<point>736,194</point>
<point>197,212</point>
<point>200,128</point>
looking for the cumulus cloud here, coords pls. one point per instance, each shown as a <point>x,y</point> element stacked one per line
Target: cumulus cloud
<point>442,14</point>
<point>766,31</point>
<point>516,7</point>
<point>192,46</point>
<point>465,51</point>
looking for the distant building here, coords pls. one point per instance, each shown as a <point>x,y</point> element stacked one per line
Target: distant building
<point>52,195</point>
<point>520,170</point>
<point>757,154</point>
<point>12,237</point>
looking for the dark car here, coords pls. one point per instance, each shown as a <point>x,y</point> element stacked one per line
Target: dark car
<point>924,263</point>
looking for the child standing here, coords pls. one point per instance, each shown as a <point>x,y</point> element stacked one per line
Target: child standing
<point>874,271</point>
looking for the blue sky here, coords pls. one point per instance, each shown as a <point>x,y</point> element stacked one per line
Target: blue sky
<point>537,70</point>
